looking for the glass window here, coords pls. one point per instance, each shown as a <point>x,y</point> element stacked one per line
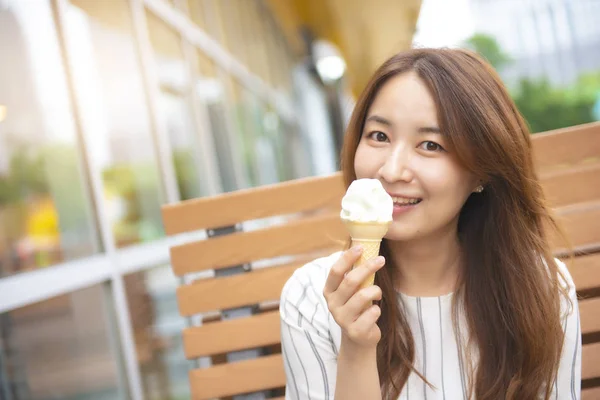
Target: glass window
<point>268,149</point>
<point>62,348</point>
<point>281,143</point>
<point>276,64</point>
<point>231,15</point>
<point>258,21</point>
<point>213,19</point>
<point>174,104</point>
<point>214,90</point>
<point>295,151</point>
<point>255,40</point>
<point>280,59</point>
<point>109,89</point>
<point>157,328</point>
<point>259,155</point>
<point>197,12</point>
<point>45,209</point>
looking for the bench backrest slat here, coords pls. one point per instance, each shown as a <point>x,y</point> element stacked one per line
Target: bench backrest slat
<point>233,335</point>
<point>294,238</point>
<point>261,202</point>
<point>223,380</point>
<point>563,148</point>
<point>233,291</point>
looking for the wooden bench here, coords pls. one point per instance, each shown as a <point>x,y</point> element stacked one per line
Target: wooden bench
<point>306,225</point>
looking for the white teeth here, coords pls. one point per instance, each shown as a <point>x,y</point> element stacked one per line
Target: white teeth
<point>402,200</point>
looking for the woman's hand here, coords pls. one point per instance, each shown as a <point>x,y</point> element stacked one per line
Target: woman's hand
<point>352,307</point>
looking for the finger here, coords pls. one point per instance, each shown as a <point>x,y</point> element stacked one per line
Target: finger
<point>340,268</point>
<point>365,326</point>
<point>348,313</point>
<point>361,301</point>
<point>355,278</point>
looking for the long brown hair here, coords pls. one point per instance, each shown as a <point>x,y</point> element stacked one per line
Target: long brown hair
<point>509,290</point>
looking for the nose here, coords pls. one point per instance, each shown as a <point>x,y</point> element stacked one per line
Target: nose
<point>397,165</point>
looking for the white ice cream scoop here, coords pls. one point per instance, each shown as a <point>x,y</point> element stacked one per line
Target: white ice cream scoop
<point>367,201</point>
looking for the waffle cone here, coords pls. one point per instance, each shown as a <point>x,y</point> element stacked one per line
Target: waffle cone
<point>367,235</point>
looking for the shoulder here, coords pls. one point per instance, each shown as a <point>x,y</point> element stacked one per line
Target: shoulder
<point>310,278</point>
<point>564,276</point>
<point>569,299</point>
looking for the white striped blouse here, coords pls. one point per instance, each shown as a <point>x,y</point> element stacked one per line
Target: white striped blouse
<point>311,338</point>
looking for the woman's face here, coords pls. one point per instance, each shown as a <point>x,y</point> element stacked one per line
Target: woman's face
<point>402,146</point>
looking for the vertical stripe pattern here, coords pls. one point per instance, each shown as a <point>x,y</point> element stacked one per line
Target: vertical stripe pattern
<point>321,365</point>
<point>460,361</point>
<point>441,348</point>
<point>299,361</point>
<point>311,339</point>
<point>574,364</point>
<point>289,371</point>
<point>424,344</point>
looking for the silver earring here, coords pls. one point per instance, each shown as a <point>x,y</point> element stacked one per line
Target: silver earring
<point>479,189</point>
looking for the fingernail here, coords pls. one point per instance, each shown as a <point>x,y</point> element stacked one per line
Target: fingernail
<point>379,260</point>
<point>357,249</point>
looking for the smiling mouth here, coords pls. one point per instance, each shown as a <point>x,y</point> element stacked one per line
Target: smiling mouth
<point>401,201</point>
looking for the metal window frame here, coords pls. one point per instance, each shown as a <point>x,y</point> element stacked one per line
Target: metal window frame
<point>113,264</point>
<point>162,146</point>
<point>203,41</point>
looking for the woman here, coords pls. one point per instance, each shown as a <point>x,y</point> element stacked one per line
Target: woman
<point>468,302</point>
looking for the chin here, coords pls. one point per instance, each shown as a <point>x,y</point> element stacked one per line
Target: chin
<point>402,235</point>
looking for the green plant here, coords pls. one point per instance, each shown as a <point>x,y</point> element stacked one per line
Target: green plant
<point>545,107</point>
<point>488,47</point>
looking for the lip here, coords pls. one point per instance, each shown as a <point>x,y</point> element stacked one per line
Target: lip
<point>403,196</point>
<point>403,209</point>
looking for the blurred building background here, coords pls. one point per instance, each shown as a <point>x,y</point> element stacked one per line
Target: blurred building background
<point>111,108</point>
<point>546,51</point>
<point>558,39</point>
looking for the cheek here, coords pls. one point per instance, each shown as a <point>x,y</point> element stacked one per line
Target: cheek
<point>364,163</point>
<point>446,180</point>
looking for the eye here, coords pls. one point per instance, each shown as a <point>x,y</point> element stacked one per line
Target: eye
<point>430,146</point>
<point>378,136</point>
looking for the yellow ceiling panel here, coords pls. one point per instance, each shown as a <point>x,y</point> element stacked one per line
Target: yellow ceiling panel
<point>367,32</point>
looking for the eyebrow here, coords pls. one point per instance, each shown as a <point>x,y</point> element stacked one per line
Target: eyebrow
<point>430,129</point>
<point>379,120</point>
<point>386,122</point>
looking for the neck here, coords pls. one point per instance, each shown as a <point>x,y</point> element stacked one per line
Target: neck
<point>427,267</point>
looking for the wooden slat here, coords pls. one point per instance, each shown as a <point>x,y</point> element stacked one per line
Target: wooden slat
<point>567,146</point>
<point>296,237</point>
<point>238,377</point>
<point>573,185</point>
<point>233,291</point>
<point>232,335</point>
<point>590,365</point>
<point>581,226</point>
<point>585,271</point>
<point>590,394</point>
<point>290,197</point>
<point>589,310</point>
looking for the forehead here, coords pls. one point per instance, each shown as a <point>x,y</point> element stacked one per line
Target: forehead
<point>404,97</point>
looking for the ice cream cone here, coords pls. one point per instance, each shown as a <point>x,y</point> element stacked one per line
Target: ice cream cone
<point>368,235</point>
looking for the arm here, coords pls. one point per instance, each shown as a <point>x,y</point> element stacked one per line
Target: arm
<point>311,361</point>
<point>568,384</point>
<point>352,308</point>
<point>357,375</point>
